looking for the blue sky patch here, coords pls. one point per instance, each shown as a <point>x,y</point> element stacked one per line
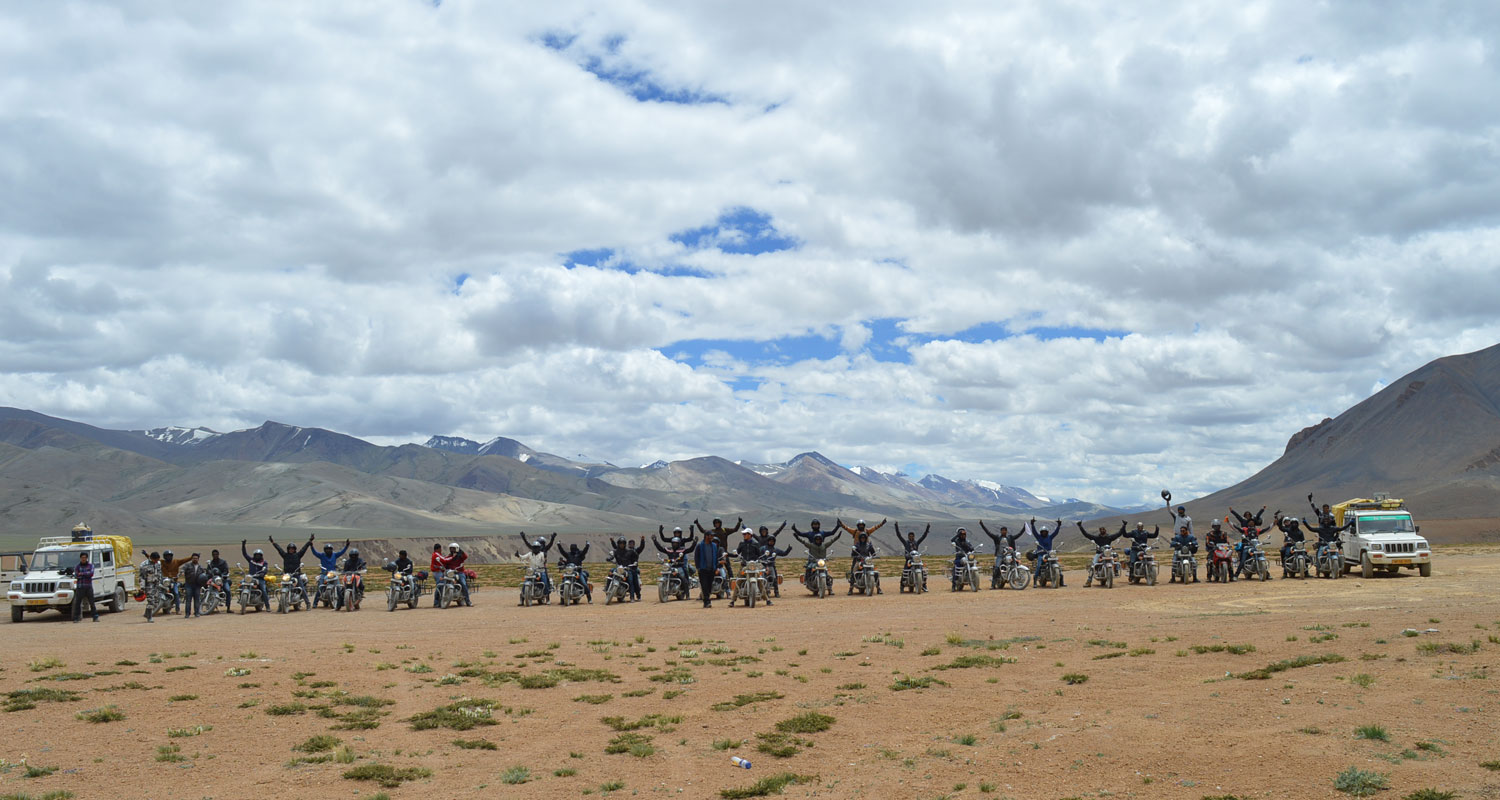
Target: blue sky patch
<point>743,231</point>
<point>1075,332</point>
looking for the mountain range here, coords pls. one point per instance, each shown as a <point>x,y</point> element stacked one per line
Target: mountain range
<point>194,480</point>
<point>1432,436</point>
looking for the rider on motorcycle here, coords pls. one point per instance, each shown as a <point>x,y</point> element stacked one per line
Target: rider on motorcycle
<point>256,568</point>
<point>677,551</point>
<point>627,555</point>
<point>863,549</point>
<point>328,563</point>
<point>749,549</point>
<point>911,544</point>
<point>718,533</point>
<point>351,564</point>
<point>961,547</point>
<point>1324,515</point>
<point>1005,535</point>
<point>1328,532</point>
<point>817,544</point>
<point>1216,536</point>
<point>535,559</point>
<point>1100,540</point>
<point>1138,539</point>
<point>1291,534</point>
<point>1044,539</point>
<point>1250,531</point>
<point>769,554</point>
<point>1185,538</point>
<point>220,567</point>
<point>291,561</point>
<point>575,556</point>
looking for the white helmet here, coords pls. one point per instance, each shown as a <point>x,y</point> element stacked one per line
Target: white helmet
<point>859,522</point>
<point>677,530</point>
<point>453,545</point>
<point>746,532</point>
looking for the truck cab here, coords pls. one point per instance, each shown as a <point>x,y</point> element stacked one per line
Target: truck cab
<point>1383,537</point>
<point>48,580</point>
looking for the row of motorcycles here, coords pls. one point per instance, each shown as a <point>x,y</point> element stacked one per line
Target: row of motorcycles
<point>338,590</point>
<point>1252,562</point>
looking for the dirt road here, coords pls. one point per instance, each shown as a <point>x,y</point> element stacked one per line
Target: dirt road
<point>1155,708</point>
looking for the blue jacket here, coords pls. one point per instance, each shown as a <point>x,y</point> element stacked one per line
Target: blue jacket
<point>331,562</point>
<point>707,556</point>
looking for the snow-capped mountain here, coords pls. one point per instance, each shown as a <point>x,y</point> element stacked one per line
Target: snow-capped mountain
<point>176,434</point>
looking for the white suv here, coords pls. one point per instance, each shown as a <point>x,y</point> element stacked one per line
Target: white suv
<point>45,585</point>
<point>1383,537</point>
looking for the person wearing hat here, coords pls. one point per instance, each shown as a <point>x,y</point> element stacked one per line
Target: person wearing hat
<point>676,551</point>
<point>1179,519</point>
<point>628,556</point>
<point>150,575</point>
<point>769,554</point>
<point>863,549</point>
<point>1215,536</point>
<point>350,598</point>
<point>194,576</point>
<point>535,558</point>
<point>83,587</point>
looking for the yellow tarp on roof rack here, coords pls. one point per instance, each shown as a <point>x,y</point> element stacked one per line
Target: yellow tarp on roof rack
<point>1363,503</point>
<point>124,549</point>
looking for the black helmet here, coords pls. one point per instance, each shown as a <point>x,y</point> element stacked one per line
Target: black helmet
<point>166,554</point>
<point>327,546</point>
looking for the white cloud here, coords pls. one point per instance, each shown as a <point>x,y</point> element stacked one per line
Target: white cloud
<point>227,212</point>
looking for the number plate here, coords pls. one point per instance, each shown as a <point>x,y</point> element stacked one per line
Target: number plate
<point>39,601</point>
<point>1400,561</point>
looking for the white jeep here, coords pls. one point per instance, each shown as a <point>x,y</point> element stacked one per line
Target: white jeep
<point>48,582</point>
<point>1383,537</point>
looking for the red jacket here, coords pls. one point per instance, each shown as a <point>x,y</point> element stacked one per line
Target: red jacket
<point>457,562</point>
<point>439,562</point>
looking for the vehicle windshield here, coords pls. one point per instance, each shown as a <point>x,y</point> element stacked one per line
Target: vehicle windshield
<point>53,559</point>
<point>1392,523</point>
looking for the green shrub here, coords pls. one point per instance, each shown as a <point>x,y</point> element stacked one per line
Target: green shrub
<point>386,775</point>
<point>103,714</point>
<point>515,776</point>
<point>1375,732</point>
<point>1359,782</point>
<point>809,722</point>
<point>767,786</point>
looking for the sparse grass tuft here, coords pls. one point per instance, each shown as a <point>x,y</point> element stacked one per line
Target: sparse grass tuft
<point>970,660</point>
<point>461,716</point>
<point>318,744</point>
<point>767,786</point>
<point>386,775</point>
<point>1359,782</point>
<point>1075,678</point>
<point>809,722</point>
<point>746,699</point>
<point>905,682</point>
<point>103,714</point>
<point>286,710</point>
<point>1291,663</point>
<point>515,776</point>
<point>593,699</point>
<point>1375,732</point>
<point>636,744</point>
<point>44,663</point>
<point>475,744</point>
<point>1431,794</point>
<point>967,739</point>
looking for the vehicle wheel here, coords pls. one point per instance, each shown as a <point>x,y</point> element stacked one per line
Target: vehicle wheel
<point>119,600</point>
<point>1109,579</point>
<point>1151,575</point>
<point>1366,569</point>
<point>390,599</point>
<point>1425,570</point>
<point>17,613</point>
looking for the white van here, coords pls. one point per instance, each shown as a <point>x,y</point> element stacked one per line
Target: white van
<point>48,582</point>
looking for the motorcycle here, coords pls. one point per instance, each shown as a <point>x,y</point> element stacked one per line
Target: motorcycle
<point>1184,565</point>
<point>1330,559</point>
<point>965,572</point>
<point>570,584</point>
<point>291,592</point>
<point>1296,564</point>
<point>351,589</point>
<point>816,578</point>
<point>1009,571</point>
<point>448,588</point>
<point>720,587</point>
<point>403,588</point>
<point>534,590</point>
<point>864,577</point>
<point>674,581</point>
<point>159,598</point>
<point>1253,560</point>
<point>1103,568</point>
<point>250,595</point>
<point>914,574</point>
<point>617,585</point>
<point>1219,561</point>
<point>1143,566</point>
<point>327,592</point>
<point>1049,571</point>
<point>212,593</point>
<point>751,583</point>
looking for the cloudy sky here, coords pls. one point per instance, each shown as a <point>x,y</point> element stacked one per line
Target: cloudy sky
<point>1079,248</point>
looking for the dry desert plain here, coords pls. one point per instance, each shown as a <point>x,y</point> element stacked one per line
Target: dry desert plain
<point>1148,692</point>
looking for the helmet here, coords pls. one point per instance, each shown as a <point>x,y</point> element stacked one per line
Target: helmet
<point>1215,523</point>
<point>257,552</point>
<point>538,544</point>
<point>453,545</point>
<point>168,553</point>
<point>816,523</point>
<point>676,540</point>
<point>1043,529</point>
<point>354,551</point>
<point>677,530</point>
<point>327,546</point>
<point>859,522</point>
<point>963,531</point>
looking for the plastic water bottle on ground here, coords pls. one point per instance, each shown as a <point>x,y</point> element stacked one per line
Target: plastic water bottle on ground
<point>739,762</point>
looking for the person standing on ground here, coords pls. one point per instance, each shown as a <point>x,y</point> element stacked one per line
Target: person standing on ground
<point>707,556</point>
<point>83,588</point>
<point>219,565</point>
<point>194,576</point>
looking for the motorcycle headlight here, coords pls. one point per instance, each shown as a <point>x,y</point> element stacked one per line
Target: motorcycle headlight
<point>821,563</point>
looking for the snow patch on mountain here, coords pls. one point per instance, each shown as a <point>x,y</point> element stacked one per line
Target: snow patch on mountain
<point>176,434</point>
